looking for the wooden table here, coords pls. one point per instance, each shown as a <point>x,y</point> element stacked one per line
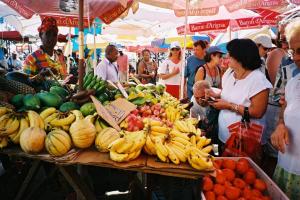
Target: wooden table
<point>145,164</point>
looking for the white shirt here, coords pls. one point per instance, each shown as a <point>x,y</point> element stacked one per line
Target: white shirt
<point>166,68</point>
<point>107,70</point>
<point>239,93</point>
<point>290,160</point>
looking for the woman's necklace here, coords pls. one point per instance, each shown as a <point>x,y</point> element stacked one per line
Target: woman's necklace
<point>213,78</point>
<point>242,76</point>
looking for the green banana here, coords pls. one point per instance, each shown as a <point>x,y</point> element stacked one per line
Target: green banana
<point>88,80</point>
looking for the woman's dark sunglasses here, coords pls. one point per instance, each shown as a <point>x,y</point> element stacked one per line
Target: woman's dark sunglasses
<point>175,49</point>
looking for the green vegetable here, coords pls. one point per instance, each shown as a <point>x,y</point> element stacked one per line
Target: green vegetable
<point>88,109</point>
<point>68,106</point>
<point>17,100</point>
<point>49,99</point>
<point>139,101</point>
<point>31,102</point>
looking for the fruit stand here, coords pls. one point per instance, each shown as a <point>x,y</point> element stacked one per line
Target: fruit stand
<point>149,132</point>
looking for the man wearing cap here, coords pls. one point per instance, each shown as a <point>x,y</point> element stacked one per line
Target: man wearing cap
<point>43,58</point>
<point>107,69</point>
<point>192,65</point>
<point>264,43</point>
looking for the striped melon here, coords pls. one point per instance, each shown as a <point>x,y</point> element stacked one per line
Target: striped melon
<point>58,142</point>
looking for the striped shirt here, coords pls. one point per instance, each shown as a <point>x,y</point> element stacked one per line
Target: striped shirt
<point>38,60</point>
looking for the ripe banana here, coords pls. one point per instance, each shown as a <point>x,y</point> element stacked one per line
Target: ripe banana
<point>64,121</point>
<point>178,152</point>
<point>47,112</point>
<point>160,129</point>
<point>4,119</point>
<point>133,155</point>
<point>181,126</point>
<point>154,133</point>
<point>4,110</point>
<point>175,133</point>
<point>98,126</point>
<point>162,157</point>
<point>181,140</point>
<point>207,149</point>
<point>35,119</point>
<point>159,146</point>
<point>155,123</point>
<point>23,125</point>
<point>191,127</point>
<point>77,114</point>
<point>172,156</point>
<point>193,140</point>
<point>201,142</point>
<point>118,157</point>
<point>207,141</point>
<point>3,142</point>
<point>150,146</point>
<point>11,126</point>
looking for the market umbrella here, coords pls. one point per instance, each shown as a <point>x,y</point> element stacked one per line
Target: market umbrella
<point>12,36</point>
<point>236,20</point>
<point>72,13</point>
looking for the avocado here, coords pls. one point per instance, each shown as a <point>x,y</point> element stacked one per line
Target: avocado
<point>68,106</point>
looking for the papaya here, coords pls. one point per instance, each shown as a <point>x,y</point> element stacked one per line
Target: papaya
<point>63,93</point>
<point>17,100</point>
<point>49,99</point>
<point>88,109</point>
<point>68,106</point>
<point>31,102</point>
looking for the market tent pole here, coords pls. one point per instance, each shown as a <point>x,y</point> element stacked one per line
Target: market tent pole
<point>69,50</point>
<point>81,46</point>
<point>95,53</point>
<point>184,48</point>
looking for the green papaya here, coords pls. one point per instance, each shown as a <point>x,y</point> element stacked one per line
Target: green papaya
<point>17,100</point>
<point>68,106</point>
<point>62,92</point>
<point>49,99</point>
<point>88,109</point>
<point>31,102</point>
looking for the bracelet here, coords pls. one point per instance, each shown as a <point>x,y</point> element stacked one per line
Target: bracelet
<point>235,107</point>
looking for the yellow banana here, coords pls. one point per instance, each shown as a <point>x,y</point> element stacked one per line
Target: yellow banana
<point>178,152</point>
<point>154,133</point>
<point>181,126</point>
<point>160,147</point>
<point>4,119</point>
<point>207,141</point>
<point>125,147</point>
<point>98,126</point>
<point>77,114</point>
<point>193,121</point>
<point>133,155</point>
<point>172,156</point>
<point>178,144</point>
<point>35,119</point>
<point>201,142</point>
<point>150,146</point>
<point>160,129</point>
<point>181,140</point>
<point>118,157</point>
<point>64,121</point>
<point>155,123</point>
<point>4,110</point>
<point>51,117</point>
<point>11,126</point>
<point>162,157</point>
<point>207,149</point>
<point>116,144</point>
<point>191,127</point>
<point>194,163</point>
<point>3,142</point>
<point>198,132</point>
<point>147,150</point>
<point>23,125</point>
<point>47,112</point>
<point>175,133</point>
<point>193,140</point>
<point>103,124</point>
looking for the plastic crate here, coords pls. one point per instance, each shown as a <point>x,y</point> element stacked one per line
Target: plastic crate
<point>273,190</point>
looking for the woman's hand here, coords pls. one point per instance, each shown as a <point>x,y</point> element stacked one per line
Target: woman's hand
<point>175,71</point>
<point>220,104</point>
<point>280,137</point>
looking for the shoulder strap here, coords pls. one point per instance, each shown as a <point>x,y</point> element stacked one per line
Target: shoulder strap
<point>204,70</point>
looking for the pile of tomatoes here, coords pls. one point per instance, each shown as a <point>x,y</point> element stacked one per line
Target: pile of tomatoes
<point>234,180</point>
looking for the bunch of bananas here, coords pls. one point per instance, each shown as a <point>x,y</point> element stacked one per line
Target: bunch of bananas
<point>174,110</point>
<point>180,144</point>
<point>198,154</point>
<point>13,124</point>
<point>100,124</point>
<point>128,146</point>
<point>55,119</point>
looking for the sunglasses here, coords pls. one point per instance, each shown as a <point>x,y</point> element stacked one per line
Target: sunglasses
<point>264,48</point>
<point>175,49</point>
<point>283,41</point>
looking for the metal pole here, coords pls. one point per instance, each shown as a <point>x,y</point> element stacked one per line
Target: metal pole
<point>184,48</point>
<point>81,46</point>
<point>68,52</point>
<point>95,53</point>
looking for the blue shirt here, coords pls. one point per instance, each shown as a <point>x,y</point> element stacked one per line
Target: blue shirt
<point>193,63</point>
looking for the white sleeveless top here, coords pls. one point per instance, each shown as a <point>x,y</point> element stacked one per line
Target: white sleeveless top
<point>239,92</point>
<point>290,160</point>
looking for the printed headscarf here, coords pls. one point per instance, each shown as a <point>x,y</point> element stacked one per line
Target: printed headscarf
<point>48,23</point>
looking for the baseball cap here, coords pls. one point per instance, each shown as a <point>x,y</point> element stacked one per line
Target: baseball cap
<point>264,40</point>
<point>175,45</point>
<point>214,49</point>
